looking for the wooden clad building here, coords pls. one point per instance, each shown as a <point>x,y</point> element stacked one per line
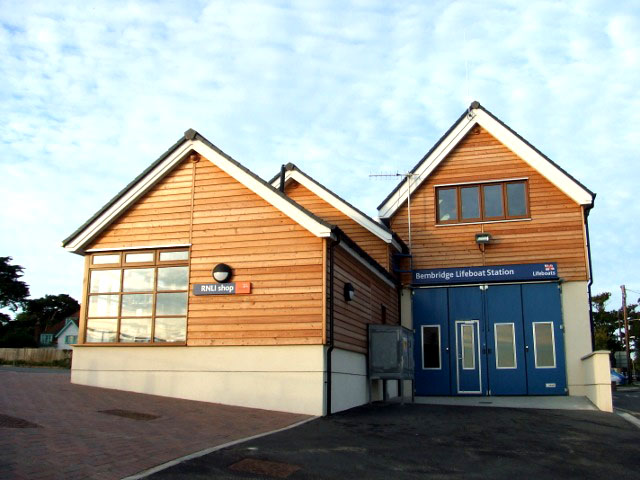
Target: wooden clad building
<point>149,255</point>
<point>497,286</point>
<point>202,281</point>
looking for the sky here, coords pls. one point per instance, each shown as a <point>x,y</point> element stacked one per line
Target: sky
<point>93,92</point>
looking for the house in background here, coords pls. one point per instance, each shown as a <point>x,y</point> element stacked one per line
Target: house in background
<point>68,334</point>
<point>61,335</point>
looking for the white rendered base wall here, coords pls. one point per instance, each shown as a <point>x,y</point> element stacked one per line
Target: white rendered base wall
<point>577,333</point>
<point>283,378</point>
<point>349,382</point>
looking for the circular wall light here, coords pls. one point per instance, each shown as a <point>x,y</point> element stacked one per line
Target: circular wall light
<point>349,292</point>
<point>222,273</point>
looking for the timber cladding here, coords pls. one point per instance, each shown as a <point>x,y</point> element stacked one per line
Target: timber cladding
<point>554,232</point>
<point>371,294</point>
<point>226,222</point>
<point>370,243</point>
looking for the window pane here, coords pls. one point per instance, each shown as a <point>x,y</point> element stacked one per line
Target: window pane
<point>137,305</point>
<point>138,257</point>
<point>505,345</point>
<point>101,330</point>
<point>468,351</point>
<point>447,204</point>
<point>516,201</point>
<point>138,280</point>
<point>172,329</point>
<point>104,305</point>
<point>545,349</point>
<point>470,202</point>
<point>430,347</point>
<point>166,256</point>
<point>171,304</point>
<point>104,281</point>
<point>135,330</point>
<point>492,201</point>
<point>173,278</point>
<point>103,259</point>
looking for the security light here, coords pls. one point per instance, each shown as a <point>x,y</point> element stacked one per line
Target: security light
<point>222,273</point>
<point>483,238</point>
<point>349,292</point>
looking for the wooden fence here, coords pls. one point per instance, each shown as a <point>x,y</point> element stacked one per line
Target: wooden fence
<point>35,356</point>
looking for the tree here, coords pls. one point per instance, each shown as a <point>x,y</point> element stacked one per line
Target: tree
<point>48,309</point>
<point>605,324</point>
<point>13,291</point>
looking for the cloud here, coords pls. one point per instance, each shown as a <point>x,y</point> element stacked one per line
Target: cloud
<point>91,94</point>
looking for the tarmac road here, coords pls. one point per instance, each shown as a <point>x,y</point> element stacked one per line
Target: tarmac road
<point>433,441</point>
<point>627,399</point>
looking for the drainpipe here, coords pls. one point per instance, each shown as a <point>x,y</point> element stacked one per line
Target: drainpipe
<point>586,228</point>
<point>283,170</point>
<point>331,321</point>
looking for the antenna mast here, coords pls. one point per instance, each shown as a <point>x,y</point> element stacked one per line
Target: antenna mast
<point>409,176</point>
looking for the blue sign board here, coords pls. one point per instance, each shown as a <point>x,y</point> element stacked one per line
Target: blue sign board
<point>492,273</point>
<point>230,288</point>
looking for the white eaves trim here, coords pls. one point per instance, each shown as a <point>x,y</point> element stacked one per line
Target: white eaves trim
<point>478,116</point>
<point>340,205</point>
<point>154,176</point>
<point>364,262</point>
<point>141,247</point>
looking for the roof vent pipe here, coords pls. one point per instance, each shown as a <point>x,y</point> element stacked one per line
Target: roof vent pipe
<point>283,169</point>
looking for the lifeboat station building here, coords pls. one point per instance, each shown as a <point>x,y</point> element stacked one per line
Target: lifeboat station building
<point>203,281</point>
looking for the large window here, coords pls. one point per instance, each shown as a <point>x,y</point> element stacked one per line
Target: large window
<point>482,202</point>
<point>138,297</point>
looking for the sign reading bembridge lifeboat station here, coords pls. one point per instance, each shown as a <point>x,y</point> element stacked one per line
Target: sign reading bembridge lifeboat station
<point>492,273</point>
<point>230,288</point>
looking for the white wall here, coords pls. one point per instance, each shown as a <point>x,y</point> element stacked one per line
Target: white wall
<point>597,379</point>
<point>71,329</point>
<point>349,380</point>
<point>406,320</point>
<point>283,378</point>
<point>577,333</point>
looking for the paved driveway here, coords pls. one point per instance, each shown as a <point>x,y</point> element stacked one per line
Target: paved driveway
<point>50,429</point>
<point>433,441</point>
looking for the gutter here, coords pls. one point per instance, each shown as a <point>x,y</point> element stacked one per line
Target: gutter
<point>586,228</point>
<point>334,244</point>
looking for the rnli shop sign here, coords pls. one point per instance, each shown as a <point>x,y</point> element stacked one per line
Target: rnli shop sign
<point>230,288</point>
<point>493,273</point>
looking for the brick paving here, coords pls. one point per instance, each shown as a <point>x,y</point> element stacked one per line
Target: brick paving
<point>74,441</point>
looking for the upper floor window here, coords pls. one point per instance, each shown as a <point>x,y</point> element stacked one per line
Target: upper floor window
<point>138,297</point>
<point>482,202</point>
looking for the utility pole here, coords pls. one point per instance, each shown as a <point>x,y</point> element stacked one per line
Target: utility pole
<point>626,333</point>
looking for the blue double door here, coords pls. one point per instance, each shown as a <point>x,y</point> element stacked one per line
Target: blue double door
<point>489,340</point>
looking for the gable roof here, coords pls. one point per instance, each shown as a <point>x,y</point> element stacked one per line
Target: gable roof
<point>73,321</point>
<point>293,173</point>
<point>191,142</point>
<point>478,115</point>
